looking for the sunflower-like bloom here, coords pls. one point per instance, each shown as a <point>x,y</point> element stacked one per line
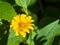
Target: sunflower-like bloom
<point>22,24</point>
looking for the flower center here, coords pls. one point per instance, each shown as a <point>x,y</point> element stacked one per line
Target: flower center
<point>22,24</point>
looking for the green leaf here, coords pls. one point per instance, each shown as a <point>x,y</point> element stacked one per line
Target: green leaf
<point>32,43</point>
<point>6,11</point>
<point>30,40</point>
<point>33,34</point>
<point>32,2</point>
<point>49,32</point>
<point>25,3</point>
<point>14,40</point>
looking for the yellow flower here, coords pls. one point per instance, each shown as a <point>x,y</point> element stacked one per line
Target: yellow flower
<point>22,24</point>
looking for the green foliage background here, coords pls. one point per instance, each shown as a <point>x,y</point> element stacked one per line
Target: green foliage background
<point>46,14</point>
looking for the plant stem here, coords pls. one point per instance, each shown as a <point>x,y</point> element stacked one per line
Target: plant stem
<point>30,37</point>
<point>26,11</point>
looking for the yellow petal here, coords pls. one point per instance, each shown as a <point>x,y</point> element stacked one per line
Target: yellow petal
<point>22,18</point>
<point>17,18</point>
<point>26,30</point>
<point>11,26</point>
<point>32,24</point>
<point>32,21</point>
<point>23,33</point>
<point>14,23</point>
<point>30,27</point>
<point>28,19</point>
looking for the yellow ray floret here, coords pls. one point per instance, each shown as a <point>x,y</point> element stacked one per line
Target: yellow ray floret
<point>22,24</point>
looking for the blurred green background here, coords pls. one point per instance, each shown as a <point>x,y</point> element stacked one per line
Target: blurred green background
<point>43,12</point>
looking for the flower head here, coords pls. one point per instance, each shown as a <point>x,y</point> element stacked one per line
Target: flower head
<point>22,24</point>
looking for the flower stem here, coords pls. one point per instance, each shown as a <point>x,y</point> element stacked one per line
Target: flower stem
<point>26,11</point>
<point>30,37</point>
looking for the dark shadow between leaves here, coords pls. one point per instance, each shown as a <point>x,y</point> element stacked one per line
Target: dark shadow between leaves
<point>38,41</point>
<point>4,32</point>
<point>46,20</point>
<point>56,40</point>
<point>59,21</point>
<point>22,43</point>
